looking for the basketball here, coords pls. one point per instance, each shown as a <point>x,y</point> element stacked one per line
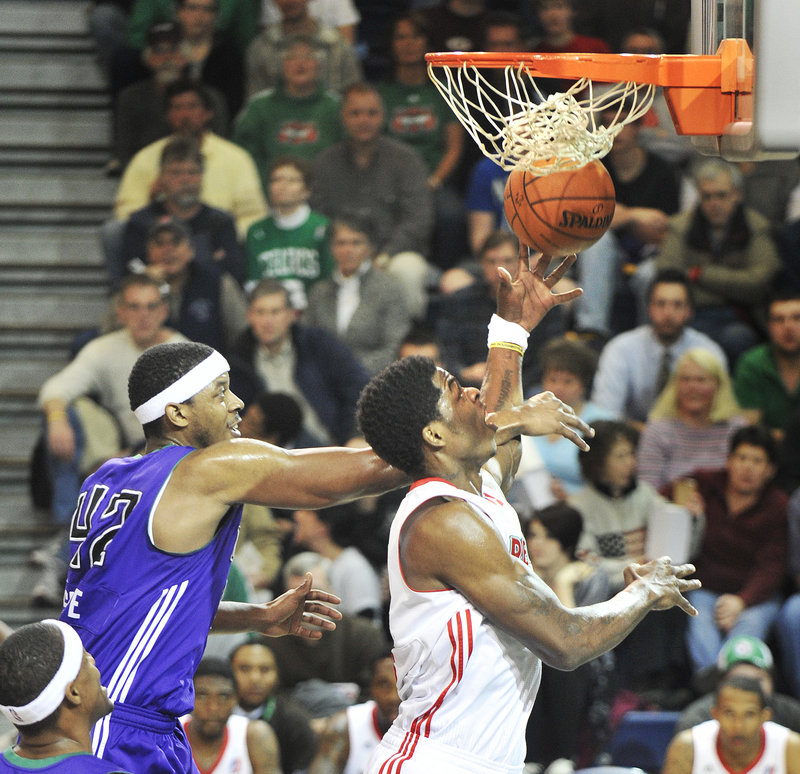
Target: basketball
<point>563,212</point>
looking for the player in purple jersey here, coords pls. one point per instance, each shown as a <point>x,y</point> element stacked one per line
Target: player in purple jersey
<point>50,690</point>
<point>153,537</point>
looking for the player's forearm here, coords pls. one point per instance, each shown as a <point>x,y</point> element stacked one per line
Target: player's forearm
<point>578,635</point>
<point>233,617</point>
<point>502,386</point>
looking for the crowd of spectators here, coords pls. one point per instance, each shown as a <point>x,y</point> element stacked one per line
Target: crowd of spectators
<point>295,193</point>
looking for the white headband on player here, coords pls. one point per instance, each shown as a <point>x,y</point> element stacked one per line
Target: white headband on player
<point>49,700</point>
<point>186,387</point>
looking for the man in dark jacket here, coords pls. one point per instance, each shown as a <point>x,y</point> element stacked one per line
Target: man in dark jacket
<point>276,353</point>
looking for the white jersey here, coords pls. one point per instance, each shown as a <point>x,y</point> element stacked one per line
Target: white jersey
<point>362,728</point>
<point>233,756</point>
<point>466,687</point>
<point>772,759</point>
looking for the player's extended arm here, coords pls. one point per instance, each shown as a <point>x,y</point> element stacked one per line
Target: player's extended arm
<point>447,545</point>
<point>205,483</point>
<point>303,611</point>
<point>334,747</point>
<point>525,300</point>
<point>262,748</point>
<point>680,755</point>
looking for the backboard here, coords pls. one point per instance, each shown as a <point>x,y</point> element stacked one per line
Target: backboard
<point>768,121</point>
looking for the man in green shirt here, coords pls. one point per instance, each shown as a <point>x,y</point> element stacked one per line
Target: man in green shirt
<point>767,379</point>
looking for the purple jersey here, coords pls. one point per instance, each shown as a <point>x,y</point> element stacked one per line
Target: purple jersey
<point>143,613</point>
<point>79,763</point>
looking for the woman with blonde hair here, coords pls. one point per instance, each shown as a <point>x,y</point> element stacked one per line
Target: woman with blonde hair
<point>691,421</point>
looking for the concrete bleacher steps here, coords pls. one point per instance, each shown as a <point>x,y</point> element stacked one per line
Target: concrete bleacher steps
<point>55,136</point>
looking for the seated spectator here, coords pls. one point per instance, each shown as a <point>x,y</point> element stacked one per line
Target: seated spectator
<point>729,255</point>
<point>213,231</point>
<point>692,421</point>
<point>219,739</point>
<point>333,672</point>
<point>349,737</point>
<point>362,305</point>
<point>50,691</point>
<point>278,354</point>
<point>290,245</point>
<point>329,532</point>
<point>206,304</point>
<point>341,15</point>
<point>385,180</point>
<point>647,193</point>
<point>417,115</point>
<point>87,410</point>
<point>741,736</point>
<point>616,508</point>
<point>463,316</point>
<point>571,711</point>
<point>230,178</point>
<point>339,64</point>
<point>211,56</point>
<point>614,503</point>
<point>743,656</point>
<point>296,117</point>
<point>742,558</point>
<point>767,377</point>
<point>456,25</point>
<point>549,470</point>
<point>259,697</point>
<point>139,114</point>
<point>635,365</point>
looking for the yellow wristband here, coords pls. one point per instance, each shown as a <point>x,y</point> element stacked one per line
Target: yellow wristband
<point>57,416</point>
<point>507,345</point>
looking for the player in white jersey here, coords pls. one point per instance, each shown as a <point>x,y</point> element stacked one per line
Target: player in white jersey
<point>469,618</point>
<point>221,742</point>
<point>350,737</point>
<point>740,738</point>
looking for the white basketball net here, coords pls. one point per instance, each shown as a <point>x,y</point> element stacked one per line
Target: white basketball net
<point>518,126</point>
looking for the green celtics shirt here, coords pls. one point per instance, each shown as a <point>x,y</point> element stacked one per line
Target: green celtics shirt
<point>292,249</point>
<point>417,115</point>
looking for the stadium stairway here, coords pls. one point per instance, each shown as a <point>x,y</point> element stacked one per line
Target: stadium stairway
<point>54,142</point>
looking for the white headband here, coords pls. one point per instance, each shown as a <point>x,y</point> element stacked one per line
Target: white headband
<point>186,387</point>
<point>49,700</point>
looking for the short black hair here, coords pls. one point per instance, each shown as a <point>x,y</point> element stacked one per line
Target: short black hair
<point>361,221</point>
<point>563,523</point>
<point>157,368</point>
<point>670,276</point>
<point>282,416</point>
<point>495,239</point>
<point>755,435</point>
<point>606,433</point>
<point>29,658</point>
<point>574,357</point>
<point>216,667</point>
<point>749,684</point>
<point>394,408</point>
<point>184,85</point>
<point>181,149</point>
<point>252,638</point>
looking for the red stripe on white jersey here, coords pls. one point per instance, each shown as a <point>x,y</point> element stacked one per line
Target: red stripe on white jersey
<point>460,639</point>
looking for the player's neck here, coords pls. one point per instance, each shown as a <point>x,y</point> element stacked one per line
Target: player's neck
<point>743,760</point>
<point>50,744</point>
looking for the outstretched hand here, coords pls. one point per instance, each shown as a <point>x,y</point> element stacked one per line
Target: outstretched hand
<point>542,414</point>
<point>528,297</point>
<point>301,611</point>
<point>666,582</point>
